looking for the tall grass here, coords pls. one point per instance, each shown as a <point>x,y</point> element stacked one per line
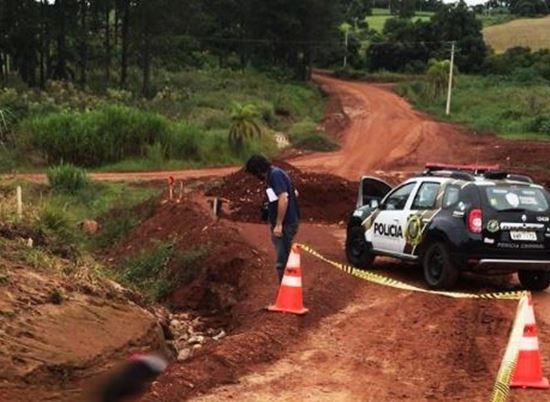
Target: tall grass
<point>67,178</point>
<point>90,138</point>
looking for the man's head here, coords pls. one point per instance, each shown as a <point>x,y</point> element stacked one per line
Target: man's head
<point>258,166</point>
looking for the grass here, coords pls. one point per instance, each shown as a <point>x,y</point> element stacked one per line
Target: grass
<point>495,19</point>
<point>511,109</point>
<point>529,32</point>
<point>379,17</point>
<point>57,215</point>
<point>67,178</point>
<point>305,135</point>
<point>149,271</point>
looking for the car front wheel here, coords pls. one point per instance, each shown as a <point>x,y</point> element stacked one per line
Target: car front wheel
<point>439,270</point>
<point>534,280</point>
<point>358,251</point>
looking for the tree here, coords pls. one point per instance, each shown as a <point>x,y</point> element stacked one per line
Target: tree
<point>458,23</point>
<point>244,126</point>
<point>438,77</point>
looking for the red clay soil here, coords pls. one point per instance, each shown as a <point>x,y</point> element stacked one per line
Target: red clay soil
<point>322,197</point>
<point>358,342</point>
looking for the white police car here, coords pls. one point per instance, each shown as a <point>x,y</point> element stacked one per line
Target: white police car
<point>455,218</point>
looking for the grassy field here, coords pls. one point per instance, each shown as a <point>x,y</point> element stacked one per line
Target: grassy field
<point>531,32</point>
<point>379,17</point>
<point>515,110</point>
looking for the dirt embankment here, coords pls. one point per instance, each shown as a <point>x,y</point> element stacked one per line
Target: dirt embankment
<point>58,329</point>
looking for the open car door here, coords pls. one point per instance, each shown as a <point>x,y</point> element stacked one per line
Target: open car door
<point>371,191</point>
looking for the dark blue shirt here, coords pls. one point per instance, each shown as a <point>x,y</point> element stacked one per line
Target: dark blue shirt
<point>279,182</point>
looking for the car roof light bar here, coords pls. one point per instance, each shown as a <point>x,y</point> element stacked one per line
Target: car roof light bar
<point>476,169</point>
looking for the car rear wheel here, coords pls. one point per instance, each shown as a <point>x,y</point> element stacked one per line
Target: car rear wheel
<point>439,270</point>
<point>358,251</point>
<point>534,280</point>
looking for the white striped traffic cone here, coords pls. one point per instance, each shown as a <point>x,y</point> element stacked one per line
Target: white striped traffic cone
<point>528,372</point>
<point>290,297</point>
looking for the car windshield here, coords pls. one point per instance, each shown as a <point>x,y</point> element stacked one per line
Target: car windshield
<point>517,198</point>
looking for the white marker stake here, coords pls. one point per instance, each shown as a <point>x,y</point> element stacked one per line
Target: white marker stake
<point>19,202</point>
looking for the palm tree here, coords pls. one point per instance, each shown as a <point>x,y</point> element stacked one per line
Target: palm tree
<point>244,125</point>
<point>438,77</point>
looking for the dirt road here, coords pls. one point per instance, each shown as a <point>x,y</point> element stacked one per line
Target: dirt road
<point>385,133</point>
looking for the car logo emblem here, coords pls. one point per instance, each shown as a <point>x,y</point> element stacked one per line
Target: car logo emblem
<point>524,218</point>
<point>493,226</point>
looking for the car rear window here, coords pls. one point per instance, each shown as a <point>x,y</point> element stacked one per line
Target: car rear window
<point>510,198</point>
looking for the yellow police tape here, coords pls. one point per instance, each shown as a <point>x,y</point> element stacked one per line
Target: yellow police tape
<point>385,281</point>
<point>501,388</point>
<point>508,365</point>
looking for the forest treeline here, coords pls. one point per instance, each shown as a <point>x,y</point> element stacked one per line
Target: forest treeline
<point>97,42</point>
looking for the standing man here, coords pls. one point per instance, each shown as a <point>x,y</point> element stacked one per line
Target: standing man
<point>283,211</point>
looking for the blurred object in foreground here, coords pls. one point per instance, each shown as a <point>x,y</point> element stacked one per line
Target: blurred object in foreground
<point>130,380</point>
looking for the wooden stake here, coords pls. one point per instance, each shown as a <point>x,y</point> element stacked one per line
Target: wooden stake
<point>19,203</point>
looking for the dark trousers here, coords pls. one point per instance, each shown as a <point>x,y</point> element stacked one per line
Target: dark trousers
<point>282,247</point>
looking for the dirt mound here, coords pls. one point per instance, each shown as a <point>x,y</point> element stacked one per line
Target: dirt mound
<point>211,283</point>
<point>322,197</point>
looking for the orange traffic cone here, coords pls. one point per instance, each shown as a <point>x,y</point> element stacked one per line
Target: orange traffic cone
<point>528,372</point>
<point>290,297</point>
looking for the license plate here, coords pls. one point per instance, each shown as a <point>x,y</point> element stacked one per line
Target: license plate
<point>523,236</point>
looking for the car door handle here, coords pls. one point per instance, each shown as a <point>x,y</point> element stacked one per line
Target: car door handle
<point>396,219</point>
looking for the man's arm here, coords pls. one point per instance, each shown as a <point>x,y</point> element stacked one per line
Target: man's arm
<point>282,207</point>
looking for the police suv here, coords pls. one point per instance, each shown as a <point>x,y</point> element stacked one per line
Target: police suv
<point>455,218</point>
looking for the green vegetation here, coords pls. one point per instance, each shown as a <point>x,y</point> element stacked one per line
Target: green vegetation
<point>55,296</point>
<point>379,17</point>
<point>305,135</point>
<point>157,271</point>
<point>512,108</point>
<point>244,126</point>
<point>184,125</point>
<point>67,178</point>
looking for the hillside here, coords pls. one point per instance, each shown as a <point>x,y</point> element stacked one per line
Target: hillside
<point>531,32</point>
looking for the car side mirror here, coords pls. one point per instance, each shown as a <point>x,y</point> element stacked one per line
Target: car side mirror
<point>374,204</point>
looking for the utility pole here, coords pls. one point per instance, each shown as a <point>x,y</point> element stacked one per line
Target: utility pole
<point>346,34</point>
<point>449,90</point>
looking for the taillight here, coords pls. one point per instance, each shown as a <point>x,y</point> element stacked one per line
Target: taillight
<point>475,221</point>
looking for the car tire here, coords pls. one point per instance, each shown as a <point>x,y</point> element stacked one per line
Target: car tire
<point>439,270</point>
<point>358,251</point>
<point>534,280</point>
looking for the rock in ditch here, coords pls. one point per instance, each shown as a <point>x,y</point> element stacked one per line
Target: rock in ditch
<point>221,335</point>
<point>197,339</point>
<point>185,354</point>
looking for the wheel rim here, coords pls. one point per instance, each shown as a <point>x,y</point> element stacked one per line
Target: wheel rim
<point>435,264</point>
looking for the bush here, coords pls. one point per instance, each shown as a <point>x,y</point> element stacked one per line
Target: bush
<point>305,135</point>
<point>67,178</point>
<point>316,142</point>
<point>109,134</point>
<point>540,124</point>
